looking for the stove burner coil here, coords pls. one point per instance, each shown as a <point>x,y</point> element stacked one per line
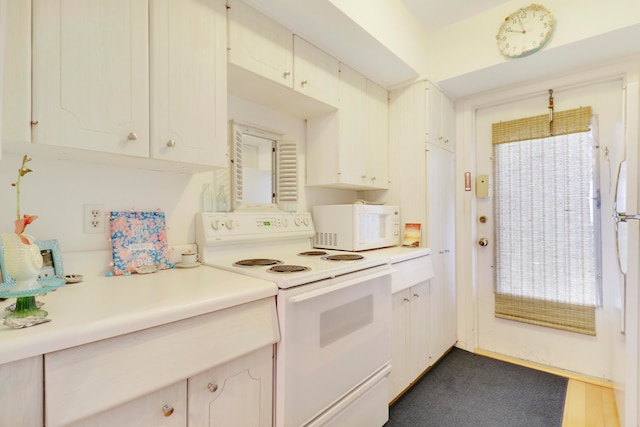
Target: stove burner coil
<point>257,262</point>
<point>344,257</point>
<point>283,268</point>
<point>313,253</point>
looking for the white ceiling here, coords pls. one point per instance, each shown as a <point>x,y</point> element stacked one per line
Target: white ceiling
<point>435,15</point>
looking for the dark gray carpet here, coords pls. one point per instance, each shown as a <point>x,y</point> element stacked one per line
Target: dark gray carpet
<point>465,389</point>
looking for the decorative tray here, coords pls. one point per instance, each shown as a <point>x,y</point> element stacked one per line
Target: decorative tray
<point>48,285</point>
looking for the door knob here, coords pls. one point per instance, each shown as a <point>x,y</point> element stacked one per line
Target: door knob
<point>483,242</point>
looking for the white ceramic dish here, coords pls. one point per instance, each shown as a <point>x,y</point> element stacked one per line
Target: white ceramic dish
<point>193,264</point>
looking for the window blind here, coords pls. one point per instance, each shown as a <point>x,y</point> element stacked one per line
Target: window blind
<point>547,221</point>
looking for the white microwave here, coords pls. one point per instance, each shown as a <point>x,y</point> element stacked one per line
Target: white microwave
<point>356,227</point>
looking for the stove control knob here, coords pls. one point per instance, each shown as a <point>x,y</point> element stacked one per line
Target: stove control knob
<point>305,221</point>
<point>215,224</point>
<point>229,224</point>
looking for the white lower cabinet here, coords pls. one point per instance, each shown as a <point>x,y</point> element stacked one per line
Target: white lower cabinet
<point>21,393</point>
<point>238,393</point>
<point>191,372</point>
<point>166,407</point>
<point>410,350</point>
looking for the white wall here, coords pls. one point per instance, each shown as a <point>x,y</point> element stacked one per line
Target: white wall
<point>57,191</point>
<point>587,34</point>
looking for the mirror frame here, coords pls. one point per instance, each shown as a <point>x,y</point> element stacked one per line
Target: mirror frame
<point>238,129</point>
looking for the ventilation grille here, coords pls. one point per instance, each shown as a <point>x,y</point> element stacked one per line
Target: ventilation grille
<point>326,239</point>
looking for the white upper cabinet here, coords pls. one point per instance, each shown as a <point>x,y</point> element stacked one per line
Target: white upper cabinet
<point>349,148</point>
<point>133,77</point>
<point>16,75</point>
<point>91,75</point>
<point>188,82</point>
<point>259,44</point>
<point>270,65</point>
<point>316,73</point>
<point>440,110</point>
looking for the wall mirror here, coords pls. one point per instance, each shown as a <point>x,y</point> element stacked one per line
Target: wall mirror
<point>264,169</point>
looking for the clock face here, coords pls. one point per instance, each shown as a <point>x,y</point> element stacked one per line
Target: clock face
<point>525,31</point>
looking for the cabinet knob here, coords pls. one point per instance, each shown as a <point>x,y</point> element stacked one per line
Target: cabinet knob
<point>405,299</point>
<point>483,241</point>
<point>212,387</point>
<point>304,83</point>
<point>416,295</point>
<point>167,410</point>
<point>171,143</point>
<point>132,136</point>
<point>286,74</point>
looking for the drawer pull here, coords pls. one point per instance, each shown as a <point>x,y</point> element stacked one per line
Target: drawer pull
<point>167,410</point>
<point>212,387</point>
<point>171,143</point>
<point>132,136</point>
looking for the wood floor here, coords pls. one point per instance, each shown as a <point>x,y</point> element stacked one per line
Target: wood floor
<point>589,403</point>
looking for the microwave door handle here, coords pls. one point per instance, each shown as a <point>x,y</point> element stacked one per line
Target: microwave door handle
<point>323,291</point>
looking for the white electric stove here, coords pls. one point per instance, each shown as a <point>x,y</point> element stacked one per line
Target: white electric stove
<point>334,315</point>
<point>231,241</point>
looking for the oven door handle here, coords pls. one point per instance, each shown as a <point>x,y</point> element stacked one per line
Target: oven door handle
<point>323,291</point>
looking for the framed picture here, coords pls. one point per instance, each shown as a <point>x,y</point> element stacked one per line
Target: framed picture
<point>51,261</point>
<point>411,235</point>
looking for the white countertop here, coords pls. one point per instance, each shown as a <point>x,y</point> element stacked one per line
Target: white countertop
<point>104,307</point>
<point>399,253</point>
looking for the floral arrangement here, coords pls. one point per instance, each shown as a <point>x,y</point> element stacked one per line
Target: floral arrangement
<point>22,222</point>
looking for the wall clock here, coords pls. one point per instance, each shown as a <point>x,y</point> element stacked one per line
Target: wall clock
<point>525,31</point>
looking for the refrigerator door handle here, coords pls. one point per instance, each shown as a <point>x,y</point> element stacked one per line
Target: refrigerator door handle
<point>621,216</point>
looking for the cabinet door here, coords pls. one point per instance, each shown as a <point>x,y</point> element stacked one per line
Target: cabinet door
<point>259,44</point>
<point>91,75</point>
<point>21,386</point>
<point>316,73</point>
<point>419,296</point>
<point>378,135</point>
<point>440,202</point>
<point>238,393</point>
<point>400,377</point>
<point>16,73</point>
<point>166,407</point>
<point>188,84</point>
<point>353,122</point>
<point>448,123</point>
<point>434,114</point>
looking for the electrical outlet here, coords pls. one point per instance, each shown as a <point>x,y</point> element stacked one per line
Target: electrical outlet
<point>94,218</point>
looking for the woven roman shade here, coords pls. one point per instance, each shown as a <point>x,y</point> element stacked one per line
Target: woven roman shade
<point>547,249</point>
<point>564,122</point>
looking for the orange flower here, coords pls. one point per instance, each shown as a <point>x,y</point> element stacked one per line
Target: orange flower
<point>21,224</point>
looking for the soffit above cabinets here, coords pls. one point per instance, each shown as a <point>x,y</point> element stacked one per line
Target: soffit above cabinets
<point>326,26</point>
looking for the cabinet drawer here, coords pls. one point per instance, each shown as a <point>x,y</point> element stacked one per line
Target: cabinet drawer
<point>411,272</point>
<point>91,378</point>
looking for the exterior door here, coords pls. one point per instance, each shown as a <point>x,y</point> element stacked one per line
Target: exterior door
<point>538,344</point>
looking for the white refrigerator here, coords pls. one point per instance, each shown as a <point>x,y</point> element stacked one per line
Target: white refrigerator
<point>626,214</point>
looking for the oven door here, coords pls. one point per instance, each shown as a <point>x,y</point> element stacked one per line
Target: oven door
<point>335,335</point>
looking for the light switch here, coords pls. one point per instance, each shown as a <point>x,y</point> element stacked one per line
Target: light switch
<point>483,186</point>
